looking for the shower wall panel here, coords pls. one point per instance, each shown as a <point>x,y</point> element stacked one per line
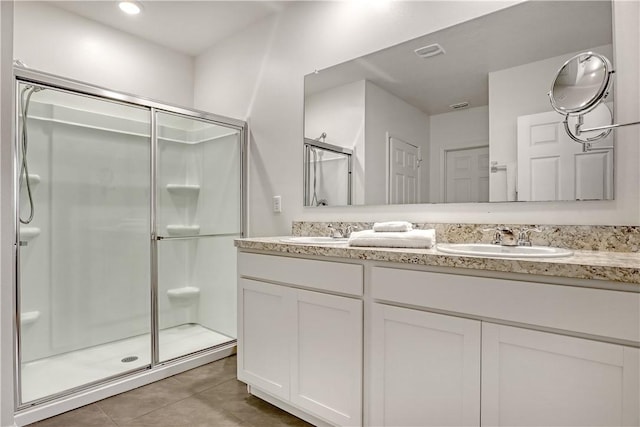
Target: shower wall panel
<point>198,218</point>
<point>87,272</point>
<point>35,260</point>
<point>215,274</point>
<point>100,226</point>
<point>220,209</point>
<point>205,159</point>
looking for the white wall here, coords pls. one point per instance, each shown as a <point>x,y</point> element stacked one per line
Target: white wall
<point>515,92</point>
<point>387,114</point>
<point>50,39</point>
<point>314,35</point>
<point>457,129</point>
<point>6,215</point>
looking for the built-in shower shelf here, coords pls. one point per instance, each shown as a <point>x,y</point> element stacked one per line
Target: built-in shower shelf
<point>29,317</point>
<point>34,179</point>
<point>182,230</point>
<point>185,293</point>
<point>183,188</point>
<point>27,233</point>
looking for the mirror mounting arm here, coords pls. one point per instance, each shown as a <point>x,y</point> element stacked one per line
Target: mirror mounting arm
<point>576,136</point>
<point>588,141</point>
<point>610,127</point>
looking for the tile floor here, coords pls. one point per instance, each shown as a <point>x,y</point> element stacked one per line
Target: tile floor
<point>208,396</point>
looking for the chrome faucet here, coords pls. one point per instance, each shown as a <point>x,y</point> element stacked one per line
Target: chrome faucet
<point>339,232</point>
<point>524,235</point>
<point>505,236</point>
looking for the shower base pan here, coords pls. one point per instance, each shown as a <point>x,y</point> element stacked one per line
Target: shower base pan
<point>52,375</point>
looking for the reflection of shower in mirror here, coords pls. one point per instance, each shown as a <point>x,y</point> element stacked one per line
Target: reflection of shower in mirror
<point>327,173</point>
<point>314,199</point>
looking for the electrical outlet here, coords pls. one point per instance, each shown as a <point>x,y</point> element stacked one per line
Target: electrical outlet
<point>277,204</point>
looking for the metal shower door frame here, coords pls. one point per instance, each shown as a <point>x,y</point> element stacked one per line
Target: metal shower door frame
<point>50,81</point>
<point>309,143</point>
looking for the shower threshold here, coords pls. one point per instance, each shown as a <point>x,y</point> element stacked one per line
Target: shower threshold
<point>55,374</point>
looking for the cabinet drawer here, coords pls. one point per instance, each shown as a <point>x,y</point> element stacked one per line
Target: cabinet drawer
<point>321,275</point>
<point>606,313</point>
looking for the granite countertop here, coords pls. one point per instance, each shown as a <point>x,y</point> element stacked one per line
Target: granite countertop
<point>623,267</point>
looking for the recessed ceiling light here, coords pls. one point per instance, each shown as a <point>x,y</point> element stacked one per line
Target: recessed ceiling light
<point>129,7</point>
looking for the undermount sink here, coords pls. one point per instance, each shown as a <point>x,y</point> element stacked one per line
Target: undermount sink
<point>315,240</point>
<point>498,251</point>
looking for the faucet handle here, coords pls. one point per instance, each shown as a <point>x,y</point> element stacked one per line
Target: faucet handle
<point>497,234</point>
<point>524,235</point>
<point>350,229</point>
<point>503,235</point>
<point>337,232</point>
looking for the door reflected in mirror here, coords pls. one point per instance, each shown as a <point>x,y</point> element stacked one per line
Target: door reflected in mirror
<point>470,124</point>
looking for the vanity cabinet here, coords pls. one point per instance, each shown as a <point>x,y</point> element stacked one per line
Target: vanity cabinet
<point>465,368</point>
<point>425,368</point>
<point>544,379</point>
<point>326,357</point>
<point>266,329</point>
<point>302,346</point>
<point>444,347</point>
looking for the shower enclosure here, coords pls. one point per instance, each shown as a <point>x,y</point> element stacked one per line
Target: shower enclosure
<point>127,264</point>
<point>327,174</point>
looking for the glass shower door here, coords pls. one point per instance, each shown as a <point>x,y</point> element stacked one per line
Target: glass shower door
<point>84,258</point>
<point>198,216</point>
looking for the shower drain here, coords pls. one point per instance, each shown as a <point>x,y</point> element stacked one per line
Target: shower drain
<point>129,359</point>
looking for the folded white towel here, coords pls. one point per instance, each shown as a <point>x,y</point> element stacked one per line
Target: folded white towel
<point>393,226</point>
<point>401,239</point>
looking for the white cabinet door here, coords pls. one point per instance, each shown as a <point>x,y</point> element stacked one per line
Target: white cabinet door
<point>265,325</point>
<point>425,369</point>
<point>543,379</point>
<point>326,357</point>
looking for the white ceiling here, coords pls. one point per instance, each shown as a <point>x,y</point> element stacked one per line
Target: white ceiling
<point>189,27</point>
<point>515,36</point>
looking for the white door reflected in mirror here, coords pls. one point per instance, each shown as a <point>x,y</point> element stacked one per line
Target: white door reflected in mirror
<point>553,167</point>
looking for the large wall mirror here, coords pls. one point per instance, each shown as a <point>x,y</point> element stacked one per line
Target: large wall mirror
<point>460,115</point>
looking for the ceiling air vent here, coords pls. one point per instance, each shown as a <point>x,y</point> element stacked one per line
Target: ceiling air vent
<point>459,105</point>
<point>429,51</point>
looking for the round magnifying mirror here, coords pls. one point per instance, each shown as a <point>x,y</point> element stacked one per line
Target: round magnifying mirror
<point>581,84</point>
